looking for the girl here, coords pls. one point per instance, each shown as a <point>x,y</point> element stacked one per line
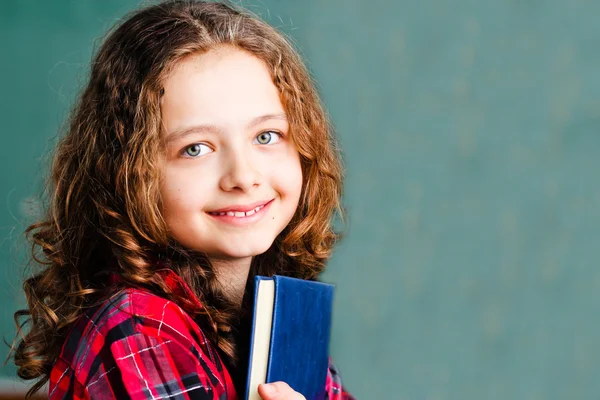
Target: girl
<point>198,156</point>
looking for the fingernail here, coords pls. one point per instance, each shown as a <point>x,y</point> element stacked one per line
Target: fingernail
<point>270,389</point>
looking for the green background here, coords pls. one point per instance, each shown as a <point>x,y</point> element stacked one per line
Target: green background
<point>470,132</point>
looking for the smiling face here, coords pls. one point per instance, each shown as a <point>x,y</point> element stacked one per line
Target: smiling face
<point>232,176</point>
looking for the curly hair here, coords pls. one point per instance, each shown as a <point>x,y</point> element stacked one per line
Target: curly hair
<point>104,210</point>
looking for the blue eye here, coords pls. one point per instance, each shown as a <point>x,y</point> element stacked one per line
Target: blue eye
<point>196,150</point>
<point>268,137</point>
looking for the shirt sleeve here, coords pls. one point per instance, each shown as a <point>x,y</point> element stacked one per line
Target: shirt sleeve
<point>142,366</point>
<point>333,385</point>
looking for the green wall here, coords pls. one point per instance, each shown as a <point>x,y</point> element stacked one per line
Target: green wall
<point>471,136</point>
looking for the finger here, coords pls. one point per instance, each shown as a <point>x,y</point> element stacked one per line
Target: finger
<point>278,391</point>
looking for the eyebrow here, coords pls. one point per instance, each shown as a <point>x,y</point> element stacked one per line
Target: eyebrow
<point>180,133</point>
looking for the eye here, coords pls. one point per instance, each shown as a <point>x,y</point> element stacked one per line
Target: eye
<point>196,150</point>
<point>268,137</point>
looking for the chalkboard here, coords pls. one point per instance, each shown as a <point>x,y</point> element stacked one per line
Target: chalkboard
<point>471,135</point>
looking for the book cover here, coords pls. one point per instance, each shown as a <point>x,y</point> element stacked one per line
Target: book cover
<point>290,335</point>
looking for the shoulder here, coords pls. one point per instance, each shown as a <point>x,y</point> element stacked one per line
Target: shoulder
<point>131,312</point>
<point>119,327</point>
<point>333,385</point>
<point>136,311</point>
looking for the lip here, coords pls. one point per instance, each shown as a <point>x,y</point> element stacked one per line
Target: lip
<point>243,208</point>
<point>242,221</point>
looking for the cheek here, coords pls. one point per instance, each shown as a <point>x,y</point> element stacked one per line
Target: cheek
<point>290,177</point>
<point>180,193</point>
<point>298,181</point>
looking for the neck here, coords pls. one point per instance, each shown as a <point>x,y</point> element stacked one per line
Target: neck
<point>232,276</point>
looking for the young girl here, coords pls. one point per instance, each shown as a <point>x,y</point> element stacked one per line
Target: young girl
<point>198,156</point>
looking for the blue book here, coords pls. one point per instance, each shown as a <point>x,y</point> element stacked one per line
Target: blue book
<point>290,335</point>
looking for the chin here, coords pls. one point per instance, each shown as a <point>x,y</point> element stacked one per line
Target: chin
<point>247,250</point>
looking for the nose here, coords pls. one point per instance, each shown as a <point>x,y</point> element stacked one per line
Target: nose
<point>241,173</point>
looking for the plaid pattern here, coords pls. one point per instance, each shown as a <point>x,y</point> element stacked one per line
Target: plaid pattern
<point>140,346</point>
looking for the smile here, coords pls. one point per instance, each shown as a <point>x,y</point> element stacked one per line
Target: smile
<point>239,214</point>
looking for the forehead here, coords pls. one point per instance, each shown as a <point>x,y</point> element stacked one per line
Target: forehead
<point>224,86</point>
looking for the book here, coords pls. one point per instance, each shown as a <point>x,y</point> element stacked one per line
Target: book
<point>289,341</point>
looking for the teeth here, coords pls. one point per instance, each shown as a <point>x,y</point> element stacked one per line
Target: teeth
<point>239,214</point>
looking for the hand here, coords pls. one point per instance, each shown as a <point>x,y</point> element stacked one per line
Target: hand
<point>278,391</point>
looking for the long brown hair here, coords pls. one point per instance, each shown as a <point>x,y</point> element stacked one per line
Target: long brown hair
<point>104,212</point>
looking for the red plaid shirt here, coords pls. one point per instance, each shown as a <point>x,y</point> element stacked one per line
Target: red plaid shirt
<point>140,346</point>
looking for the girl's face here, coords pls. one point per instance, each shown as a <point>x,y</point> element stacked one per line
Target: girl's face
<point>232,176</point>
